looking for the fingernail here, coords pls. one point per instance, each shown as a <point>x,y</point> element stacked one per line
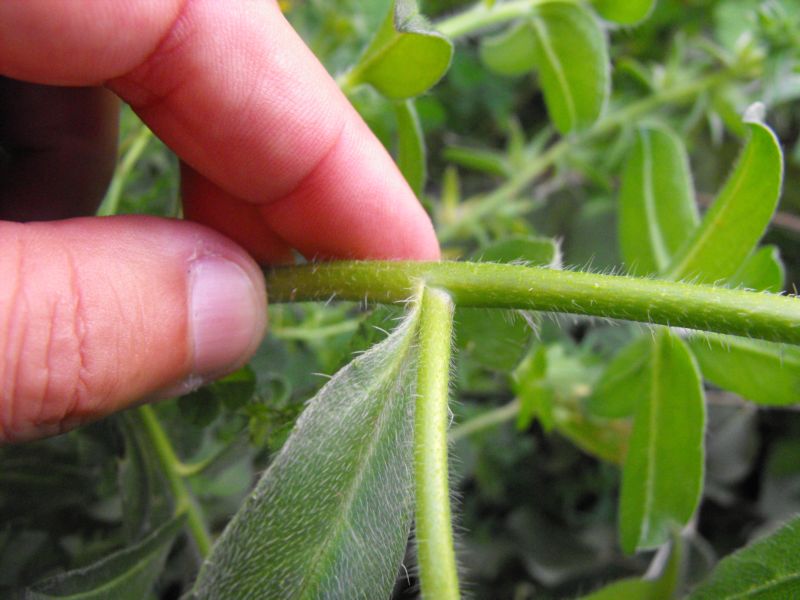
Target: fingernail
<point>226,316</point>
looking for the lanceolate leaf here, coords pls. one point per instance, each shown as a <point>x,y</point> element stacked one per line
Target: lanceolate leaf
<point>625,12</point>
<point>663,474</point>
<point>740,214</point>
<point>657,205</point>
<point>512,52</point>
<point>573,65</point>
<point>331,516</point>
<point>411,155</point>
<point>125,575</point>
<point>406,57</point>
<point>761,372</point>
<point>767,570</point>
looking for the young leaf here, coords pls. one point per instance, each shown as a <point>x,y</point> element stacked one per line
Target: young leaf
<point>663,474</point>
<point>763,270</point>
<point>411,155</point>
<point>624,382</point>
<point>740,214</point>
<point>657,205</point>
<point>331,516</point>
<point>624,12</point>
<point>405,58</point>
<point>512,52</point>
<point>762,372</point>
<point>128,574</point>
<point>767,570</point>
<point>572,61</point>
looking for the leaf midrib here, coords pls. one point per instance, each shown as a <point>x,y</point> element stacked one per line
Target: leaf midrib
<point>558,69</point>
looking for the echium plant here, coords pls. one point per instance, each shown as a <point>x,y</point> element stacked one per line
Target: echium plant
<point>366,464</point>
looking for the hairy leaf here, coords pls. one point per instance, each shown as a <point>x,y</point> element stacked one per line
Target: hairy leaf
<point>572,62</point>
<point>125,575</point>
<point>740,214</point>
<point>657,205</point>
<point>624,12</point>
<point>411,154</point>
<point>767,570</point>
<point>331,516</point>
<point>406,57</point>
<point>663,474</point>
<point>761,372</point>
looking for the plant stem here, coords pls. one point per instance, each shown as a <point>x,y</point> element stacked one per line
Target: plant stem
<point>184,501</point>
<point>759,315</point>
<point>476,210</point>
<point>491,418</point>
<point>110,204</point>
<point>435,552</point>
<point>481,16</point>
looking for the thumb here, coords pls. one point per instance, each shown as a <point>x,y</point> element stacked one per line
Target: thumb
<point>98,314</point>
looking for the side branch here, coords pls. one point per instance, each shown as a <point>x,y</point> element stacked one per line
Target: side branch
<point>737,312</point>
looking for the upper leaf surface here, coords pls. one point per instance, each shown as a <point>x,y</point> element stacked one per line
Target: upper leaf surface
<point>128,574</point>
<point>739,215</point>
<point>657,205</point>
<point>331,516</point>
<point>572,60</point>
<point>625,12</point>
<point>663,474</point>
<point>406,57</point>
<point>512,52</point>
<point>766,570</point>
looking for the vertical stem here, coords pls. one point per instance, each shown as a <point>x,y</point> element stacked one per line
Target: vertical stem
<point>436,555</point>
<point>110,205</point>
<point>184,501</point>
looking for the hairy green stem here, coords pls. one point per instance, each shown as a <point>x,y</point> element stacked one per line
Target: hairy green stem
<point>476,210</point>
<point>434,534</point>
<point>758,315</point>
<point>170,466</point>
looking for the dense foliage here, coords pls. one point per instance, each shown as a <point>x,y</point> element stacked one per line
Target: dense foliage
<point>610,137</point>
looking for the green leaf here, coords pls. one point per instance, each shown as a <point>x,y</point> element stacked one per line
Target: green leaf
<point>572,62</point>
<point>624,382</point>
<point>405,58</point>
<point>331,516</point>
<point>411,154</point>
<point>512,52</point>
<point>763,271</point>
<point>533,250</point>
<point>762,372</point>
<point>766,570</point>
<point>663,474</point>
<point>125,575</point>
<point>740,214</point>
<point>478,159</point>
<point>624,12</point>
<point>657,206</point>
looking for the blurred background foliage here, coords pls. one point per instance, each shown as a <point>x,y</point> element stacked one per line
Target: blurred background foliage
<point>536,478</point>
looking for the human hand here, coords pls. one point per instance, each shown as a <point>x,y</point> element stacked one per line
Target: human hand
<point>97,314</point>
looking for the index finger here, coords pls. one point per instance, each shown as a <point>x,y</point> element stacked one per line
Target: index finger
<point>235,92</point>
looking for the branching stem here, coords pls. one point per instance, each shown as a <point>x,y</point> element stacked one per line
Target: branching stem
<point>706,308</point>
<point>170,466</point>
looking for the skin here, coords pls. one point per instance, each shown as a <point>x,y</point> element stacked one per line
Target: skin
<point>94,315</point>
